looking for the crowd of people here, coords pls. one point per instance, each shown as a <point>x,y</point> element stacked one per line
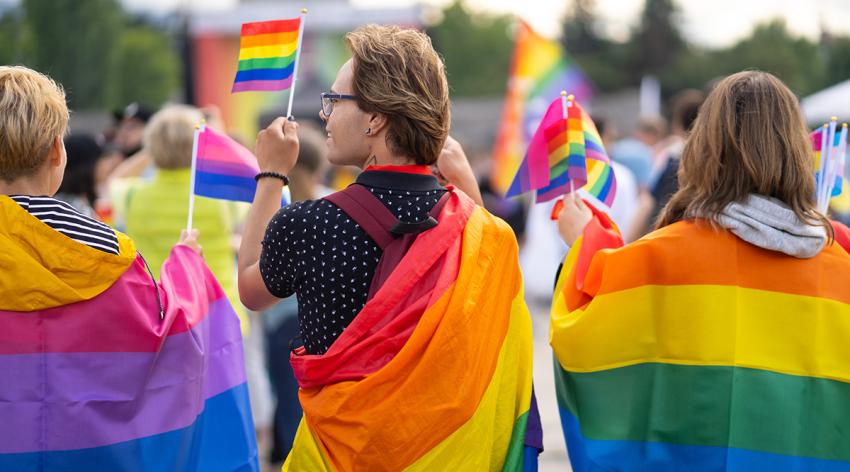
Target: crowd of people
<point>385,325</point>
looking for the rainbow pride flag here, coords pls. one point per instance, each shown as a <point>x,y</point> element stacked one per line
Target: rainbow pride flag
<point>562,151</point>
<point>435,372</point>
<point>691,349</point>
<point>102,369</point>
<point>224,169</point>
<point>539,71</point>
<point>267,55</point>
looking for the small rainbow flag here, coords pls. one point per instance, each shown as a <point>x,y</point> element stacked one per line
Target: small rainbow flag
<point>540,69</point>
<point>565,150</point>
<point>268,53</point>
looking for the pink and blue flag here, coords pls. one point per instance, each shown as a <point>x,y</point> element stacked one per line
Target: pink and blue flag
<point>224,169</point>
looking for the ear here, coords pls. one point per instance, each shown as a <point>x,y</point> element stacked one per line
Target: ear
<point>377,123</point>
<point>56,152</point>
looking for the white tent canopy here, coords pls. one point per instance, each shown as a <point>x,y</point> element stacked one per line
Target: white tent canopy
<point>832,101</point>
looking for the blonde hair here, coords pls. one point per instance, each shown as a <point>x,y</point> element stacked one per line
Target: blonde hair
<point>33,113</point>
<point>749,138</point>
<point>169,135</point>
<point>398,74</point>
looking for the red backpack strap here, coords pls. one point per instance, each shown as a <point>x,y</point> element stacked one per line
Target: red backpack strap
<point>367,211</point>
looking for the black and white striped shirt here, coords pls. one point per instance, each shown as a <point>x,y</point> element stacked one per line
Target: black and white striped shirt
<point>64,218</point>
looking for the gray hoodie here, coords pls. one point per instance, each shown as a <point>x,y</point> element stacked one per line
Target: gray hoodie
<point>770,224</point>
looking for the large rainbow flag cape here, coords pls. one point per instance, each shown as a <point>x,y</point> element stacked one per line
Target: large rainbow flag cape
<point>435,372</point>
<point>224,169</point>
<point>691,349</point>
<point>564,150</point>
<point>102,369</point>
<point>268,55</point>
<point>539,71</point>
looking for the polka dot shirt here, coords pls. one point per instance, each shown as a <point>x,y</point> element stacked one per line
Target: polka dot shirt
<point>313,249</point>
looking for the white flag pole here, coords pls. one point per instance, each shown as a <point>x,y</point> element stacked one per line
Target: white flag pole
<point>198,130</point>
<point>297,60</point>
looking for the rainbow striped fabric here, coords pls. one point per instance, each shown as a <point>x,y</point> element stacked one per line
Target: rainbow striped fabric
<point>564,150</point>
<point>267,54</point>
<point>101,370</point>
<point>435,372</point>
<point>691,349</point>
<point>224,169</point>
<point>539,70</point>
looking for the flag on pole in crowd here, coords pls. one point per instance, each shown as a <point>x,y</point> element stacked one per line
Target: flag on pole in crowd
<point>566,149</point>
<point>539,71</point>
<point>222,168</point>
<point>830,146</point>
<point>268,51</point>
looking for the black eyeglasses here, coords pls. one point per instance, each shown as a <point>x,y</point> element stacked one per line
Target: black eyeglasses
<point>328,100</point>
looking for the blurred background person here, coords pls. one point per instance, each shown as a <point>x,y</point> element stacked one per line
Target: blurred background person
<point>78,186</point>
<point>156,210</point>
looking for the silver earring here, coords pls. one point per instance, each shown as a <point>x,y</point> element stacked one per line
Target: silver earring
<point>368,131</point>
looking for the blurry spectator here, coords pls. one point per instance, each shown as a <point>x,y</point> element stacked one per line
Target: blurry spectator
<point>156,210</point>
<point>281,321</point>
<point>78,185</point>
<point>685,107</point>
<point>638,154</point>
<point>625,203</point>
<point>130,132</point>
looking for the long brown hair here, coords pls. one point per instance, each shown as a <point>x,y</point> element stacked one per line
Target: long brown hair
<point>749,137</point>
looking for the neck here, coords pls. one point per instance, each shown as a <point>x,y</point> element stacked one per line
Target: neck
<point>301,191</point>
<point>26,186</point>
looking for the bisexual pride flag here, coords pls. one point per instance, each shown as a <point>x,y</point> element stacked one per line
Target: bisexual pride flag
<point>267,55</point>
<point>102,368</point>
<point>224,169</point>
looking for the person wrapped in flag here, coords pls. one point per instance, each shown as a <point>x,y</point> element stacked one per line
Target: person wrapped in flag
<point>717,342</point>
<point>102,367</point>
<point>415,342</point>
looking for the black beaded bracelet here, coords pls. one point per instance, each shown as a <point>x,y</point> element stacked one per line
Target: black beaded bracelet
<point>276,175</point>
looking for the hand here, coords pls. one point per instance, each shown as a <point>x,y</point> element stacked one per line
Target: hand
<point>190,240</point>
<point>573,218</point>
<point>452,164</point>
<point>277,146</point>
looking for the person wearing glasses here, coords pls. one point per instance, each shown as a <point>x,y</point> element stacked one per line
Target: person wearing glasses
<point>415,342</point>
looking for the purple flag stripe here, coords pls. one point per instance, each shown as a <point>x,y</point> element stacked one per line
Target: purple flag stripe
<point>84,400</point>
<point>262,85</point>
<point>226,168</point>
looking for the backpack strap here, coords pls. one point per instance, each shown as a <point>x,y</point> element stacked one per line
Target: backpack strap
<point>394,237</point>
<point>362,206</point>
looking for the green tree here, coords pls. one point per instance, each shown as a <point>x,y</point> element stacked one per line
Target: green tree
<point>837,61</point>
<point>75,43</point>
<point>476,49</point>
<point>772,48</point>
<point>146,68</point>
<point>12,47</point>
<point>656,41</point>
<point>580,34</point>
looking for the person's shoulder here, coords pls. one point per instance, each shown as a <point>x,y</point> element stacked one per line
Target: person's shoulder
<point>298,213</point>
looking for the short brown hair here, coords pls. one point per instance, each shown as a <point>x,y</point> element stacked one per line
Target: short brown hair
<point>398,74</point>
<point>33,113</point>
<point>748,138</point>
<point>169,136</point>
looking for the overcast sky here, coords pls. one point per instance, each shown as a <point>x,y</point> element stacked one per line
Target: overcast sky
<point>706,22</point>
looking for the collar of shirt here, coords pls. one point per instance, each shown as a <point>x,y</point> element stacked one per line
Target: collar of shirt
<point>409,178</point>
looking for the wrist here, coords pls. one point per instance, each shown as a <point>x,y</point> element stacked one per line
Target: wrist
<point>272,175</point>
